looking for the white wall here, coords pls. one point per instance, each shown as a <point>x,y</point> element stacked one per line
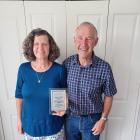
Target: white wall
<point>1,129</point>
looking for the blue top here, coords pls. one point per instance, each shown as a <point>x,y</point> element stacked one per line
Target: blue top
<point>36,118</point>
<point>87,84</point>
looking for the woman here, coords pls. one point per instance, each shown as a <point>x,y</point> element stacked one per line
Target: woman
<point>34,80</point>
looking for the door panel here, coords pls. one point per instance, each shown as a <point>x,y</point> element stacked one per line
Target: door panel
<point>96,13</point>
<point>121,51</point>
<point>43,15</point>
<point>12,32</point>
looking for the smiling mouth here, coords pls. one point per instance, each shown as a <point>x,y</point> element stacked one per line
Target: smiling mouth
<point>83,49</point>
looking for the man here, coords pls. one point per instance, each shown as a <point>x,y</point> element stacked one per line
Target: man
<point>88,77</point>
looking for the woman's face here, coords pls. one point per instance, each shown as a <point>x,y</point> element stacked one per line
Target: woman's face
<point>41,47</point>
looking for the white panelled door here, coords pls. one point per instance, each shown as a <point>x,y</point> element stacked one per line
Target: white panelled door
<point>92,11</point>
<point>123,46</point>
<point>12,32</point>
<point>119,44</point>
<point>50,16</point>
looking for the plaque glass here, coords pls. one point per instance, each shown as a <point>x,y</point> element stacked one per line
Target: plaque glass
<point>58,100</point>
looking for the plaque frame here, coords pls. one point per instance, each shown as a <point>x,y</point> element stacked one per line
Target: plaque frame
<point>58,99</point>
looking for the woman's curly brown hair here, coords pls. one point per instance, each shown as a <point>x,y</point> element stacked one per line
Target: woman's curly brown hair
<point>54,51</point>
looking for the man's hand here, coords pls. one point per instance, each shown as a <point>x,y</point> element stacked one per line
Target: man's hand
<point>98,127</point>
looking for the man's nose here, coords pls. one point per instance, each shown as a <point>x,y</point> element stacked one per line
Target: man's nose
<point>84,41</point>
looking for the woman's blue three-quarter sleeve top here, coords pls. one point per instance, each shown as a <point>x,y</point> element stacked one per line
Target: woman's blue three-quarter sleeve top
<point>36,118</point>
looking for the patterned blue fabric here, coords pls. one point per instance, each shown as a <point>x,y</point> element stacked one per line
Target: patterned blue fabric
<point>58,136</point>
<point>87,84</point>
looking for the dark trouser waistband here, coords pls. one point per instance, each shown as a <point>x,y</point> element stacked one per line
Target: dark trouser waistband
<point>81,115</point>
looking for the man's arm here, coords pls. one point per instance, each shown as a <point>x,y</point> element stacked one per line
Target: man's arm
<point>107,105</point>
<point>99,125</point>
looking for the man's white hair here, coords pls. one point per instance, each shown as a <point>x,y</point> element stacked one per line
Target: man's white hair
<point>90,25</point>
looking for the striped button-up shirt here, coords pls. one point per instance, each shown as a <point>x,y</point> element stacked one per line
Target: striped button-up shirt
<point>86,85</point>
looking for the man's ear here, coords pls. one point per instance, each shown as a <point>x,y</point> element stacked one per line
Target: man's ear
<point>74,39</point>
<point>96,41</point>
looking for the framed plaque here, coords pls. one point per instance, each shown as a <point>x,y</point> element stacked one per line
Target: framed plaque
<point>58,100</point>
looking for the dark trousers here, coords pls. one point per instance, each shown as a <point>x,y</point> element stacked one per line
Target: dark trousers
<point>79,127</point>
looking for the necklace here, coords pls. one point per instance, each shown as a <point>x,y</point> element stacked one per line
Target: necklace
<point>41,77</point>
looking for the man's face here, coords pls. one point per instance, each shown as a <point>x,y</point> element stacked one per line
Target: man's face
<point>85,40</point>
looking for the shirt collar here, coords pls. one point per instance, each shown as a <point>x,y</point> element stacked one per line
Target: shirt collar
<point>94,60</point>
